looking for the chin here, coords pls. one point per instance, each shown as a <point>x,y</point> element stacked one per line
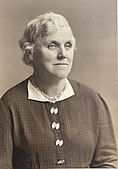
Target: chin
<point>61,75</point>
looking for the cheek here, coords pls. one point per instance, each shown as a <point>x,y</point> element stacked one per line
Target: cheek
<point>47,59</point>
<point>44,58</point>
<point>48,56</point>
<point>71,55</point>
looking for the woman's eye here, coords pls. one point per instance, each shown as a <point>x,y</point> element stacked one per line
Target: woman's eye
<point>68,46</point>
<point>52,46</point>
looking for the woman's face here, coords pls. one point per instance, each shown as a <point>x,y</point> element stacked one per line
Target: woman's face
<point>55,54</point>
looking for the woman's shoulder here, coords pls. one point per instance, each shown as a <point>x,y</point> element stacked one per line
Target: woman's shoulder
<point>16,91</point>
<point>85,93</point>
<point>80,87</point>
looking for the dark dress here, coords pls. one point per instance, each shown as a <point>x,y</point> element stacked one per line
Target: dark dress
<point>74,133</point>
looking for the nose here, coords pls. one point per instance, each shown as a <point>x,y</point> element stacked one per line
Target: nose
<point>61,54</point>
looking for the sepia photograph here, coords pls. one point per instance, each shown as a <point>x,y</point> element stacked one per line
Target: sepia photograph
<point>59,84</point>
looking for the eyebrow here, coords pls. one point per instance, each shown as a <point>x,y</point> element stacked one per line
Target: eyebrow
<point>56,42</point>
<point>53,41</point>
<point>70,41</point>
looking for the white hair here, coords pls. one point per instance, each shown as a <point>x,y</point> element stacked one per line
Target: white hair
<point>38,28</point>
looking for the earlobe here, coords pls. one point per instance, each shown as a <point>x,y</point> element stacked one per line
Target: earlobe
<point>31,57</point>
<point>29,52</point>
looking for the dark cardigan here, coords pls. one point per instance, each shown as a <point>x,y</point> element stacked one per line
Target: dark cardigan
<point>28,141</point>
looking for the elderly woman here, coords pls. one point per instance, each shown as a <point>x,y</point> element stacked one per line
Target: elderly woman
<point>48,120</point>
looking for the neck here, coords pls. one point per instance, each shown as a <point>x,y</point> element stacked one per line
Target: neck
<point>50,86</point>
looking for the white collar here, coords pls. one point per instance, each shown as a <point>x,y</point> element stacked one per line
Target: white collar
<point>34,94</point>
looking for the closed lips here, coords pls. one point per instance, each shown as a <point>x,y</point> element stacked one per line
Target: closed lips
<point>61,64</point>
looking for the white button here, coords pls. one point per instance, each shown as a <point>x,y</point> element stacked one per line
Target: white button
<point>54,110</point>
<point>59,142</point>
<point>55,125</point>
<point>60,162</point>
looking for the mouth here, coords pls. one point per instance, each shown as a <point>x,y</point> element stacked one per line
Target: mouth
<point>63,64</point>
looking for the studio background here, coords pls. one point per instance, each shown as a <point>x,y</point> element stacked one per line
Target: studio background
<point>94,25</point>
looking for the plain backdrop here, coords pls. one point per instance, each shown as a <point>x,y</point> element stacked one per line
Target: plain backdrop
<point>95,28</point>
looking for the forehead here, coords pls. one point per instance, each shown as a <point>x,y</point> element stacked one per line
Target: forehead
<point>61,35</point>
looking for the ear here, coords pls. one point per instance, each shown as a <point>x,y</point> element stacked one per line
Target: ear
<point>29,50</point>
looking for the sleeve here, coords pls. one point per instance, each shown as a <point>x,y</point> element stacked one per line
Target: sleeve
<point>105,155</point>
<point>5,138</point>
